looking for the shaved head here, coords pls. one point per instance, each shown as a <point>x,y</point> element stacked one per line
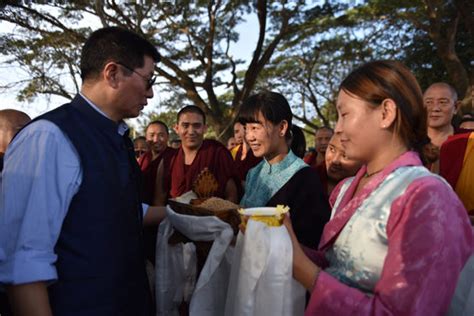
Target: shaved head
<point>440,101</point>
<point>11,121</point>
<point>443,85</point>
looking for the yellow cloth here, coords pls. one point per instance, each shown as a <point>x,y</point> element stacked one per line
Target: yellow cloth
<point>234,151</point>
<point>274,221</point>
<point>465,184</point>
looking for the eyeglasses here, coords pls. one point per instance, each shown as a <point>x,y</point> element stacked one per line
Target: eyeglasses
<point>149,81</point>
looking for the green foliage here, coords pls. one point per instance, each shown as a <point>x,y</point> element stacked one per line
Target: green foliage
<point>193,37</point>
<point>337,37</point>
<point>304,48</point>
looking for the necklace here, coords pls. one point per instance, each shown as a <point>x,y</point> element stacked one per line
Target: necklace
<point>368,175</point>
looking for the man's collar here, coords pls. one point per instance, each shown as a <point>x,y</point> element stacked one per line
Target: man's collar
<point>122,127</point>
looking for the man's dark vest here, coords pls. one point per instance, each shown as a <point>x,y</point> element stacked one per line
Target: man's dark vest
<point>100,264</point>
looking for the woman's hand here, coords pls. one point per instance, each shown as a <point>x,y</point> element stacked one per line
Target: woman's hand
<point>304,270</point>
<point>243,223</point>
<point>291,232</point>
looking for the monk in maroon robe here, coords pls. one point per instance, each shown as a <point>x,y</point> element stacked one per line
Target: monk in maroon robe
<point>157,136</point>
<point>321,141</point>
<point>195,155</point>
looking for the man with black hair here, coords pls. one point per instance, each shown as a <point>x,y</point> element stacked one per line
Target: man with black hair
<point>157,135</point>
<point>194,156</point>
<point>70,215</point>
<point>321,142</point>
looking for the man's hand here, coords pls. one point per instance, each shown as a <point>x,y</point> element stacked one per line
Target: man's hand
<point>30,299</point>
<point>154,215</point>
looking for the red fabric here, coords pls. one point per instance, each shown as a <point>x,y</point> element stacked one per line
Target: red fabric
<point>149,169</point>
<point>451,157</point>
<point>213,155</point>
<point>144,160</point>
<point>243,166</point>
<point>323,176</point>
<point>310,158</point>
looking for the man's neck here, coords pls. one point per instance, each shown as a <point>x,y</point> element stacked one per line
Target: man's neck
<point>439,135</point>
<point>190,154</point>
<point>319,158</point>
<point>155,154</point>
<point>96,95</point>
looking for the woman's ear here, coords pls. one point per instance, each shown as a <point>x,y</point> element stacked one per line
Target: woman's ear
<point>283,127</point>
<point>388,112</point>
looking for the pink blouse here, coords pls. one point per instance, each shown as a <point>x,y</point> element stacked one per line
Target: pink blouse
<point>429,241</point>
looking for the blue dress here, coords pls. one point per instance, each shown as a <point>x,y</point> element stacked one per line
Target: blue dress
<point>293,183</point>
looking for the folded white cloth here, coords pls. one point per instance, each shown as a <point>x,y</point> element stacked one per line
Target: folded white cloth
<point>261,281</point>
<point>175,276</point>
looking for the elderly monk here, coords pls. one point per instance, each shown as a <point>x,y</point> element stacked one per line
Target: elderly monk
<point>441,103</point>
<point>195,155</point>
<point>157,135</point>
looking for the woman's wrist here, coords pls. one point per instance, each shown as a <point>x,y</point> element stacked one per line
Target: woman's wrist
<point>305,271</point>
<point>315,278</point>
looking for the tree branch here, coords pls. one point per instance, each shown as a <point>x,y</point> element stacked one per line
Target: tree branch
<point>305,121</point>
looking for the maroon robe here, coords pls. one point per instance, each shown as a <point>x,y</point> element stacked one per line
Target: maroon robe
<point>323,176</point>
<point>243,166</point>
<point>212,155</point>
<point>149,169</point>
<point>310,159</point>
<point>451,157</point>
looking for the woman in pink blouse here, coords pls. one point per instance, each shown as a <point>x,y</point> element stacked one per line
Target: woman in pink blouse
<point>400,236</point>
